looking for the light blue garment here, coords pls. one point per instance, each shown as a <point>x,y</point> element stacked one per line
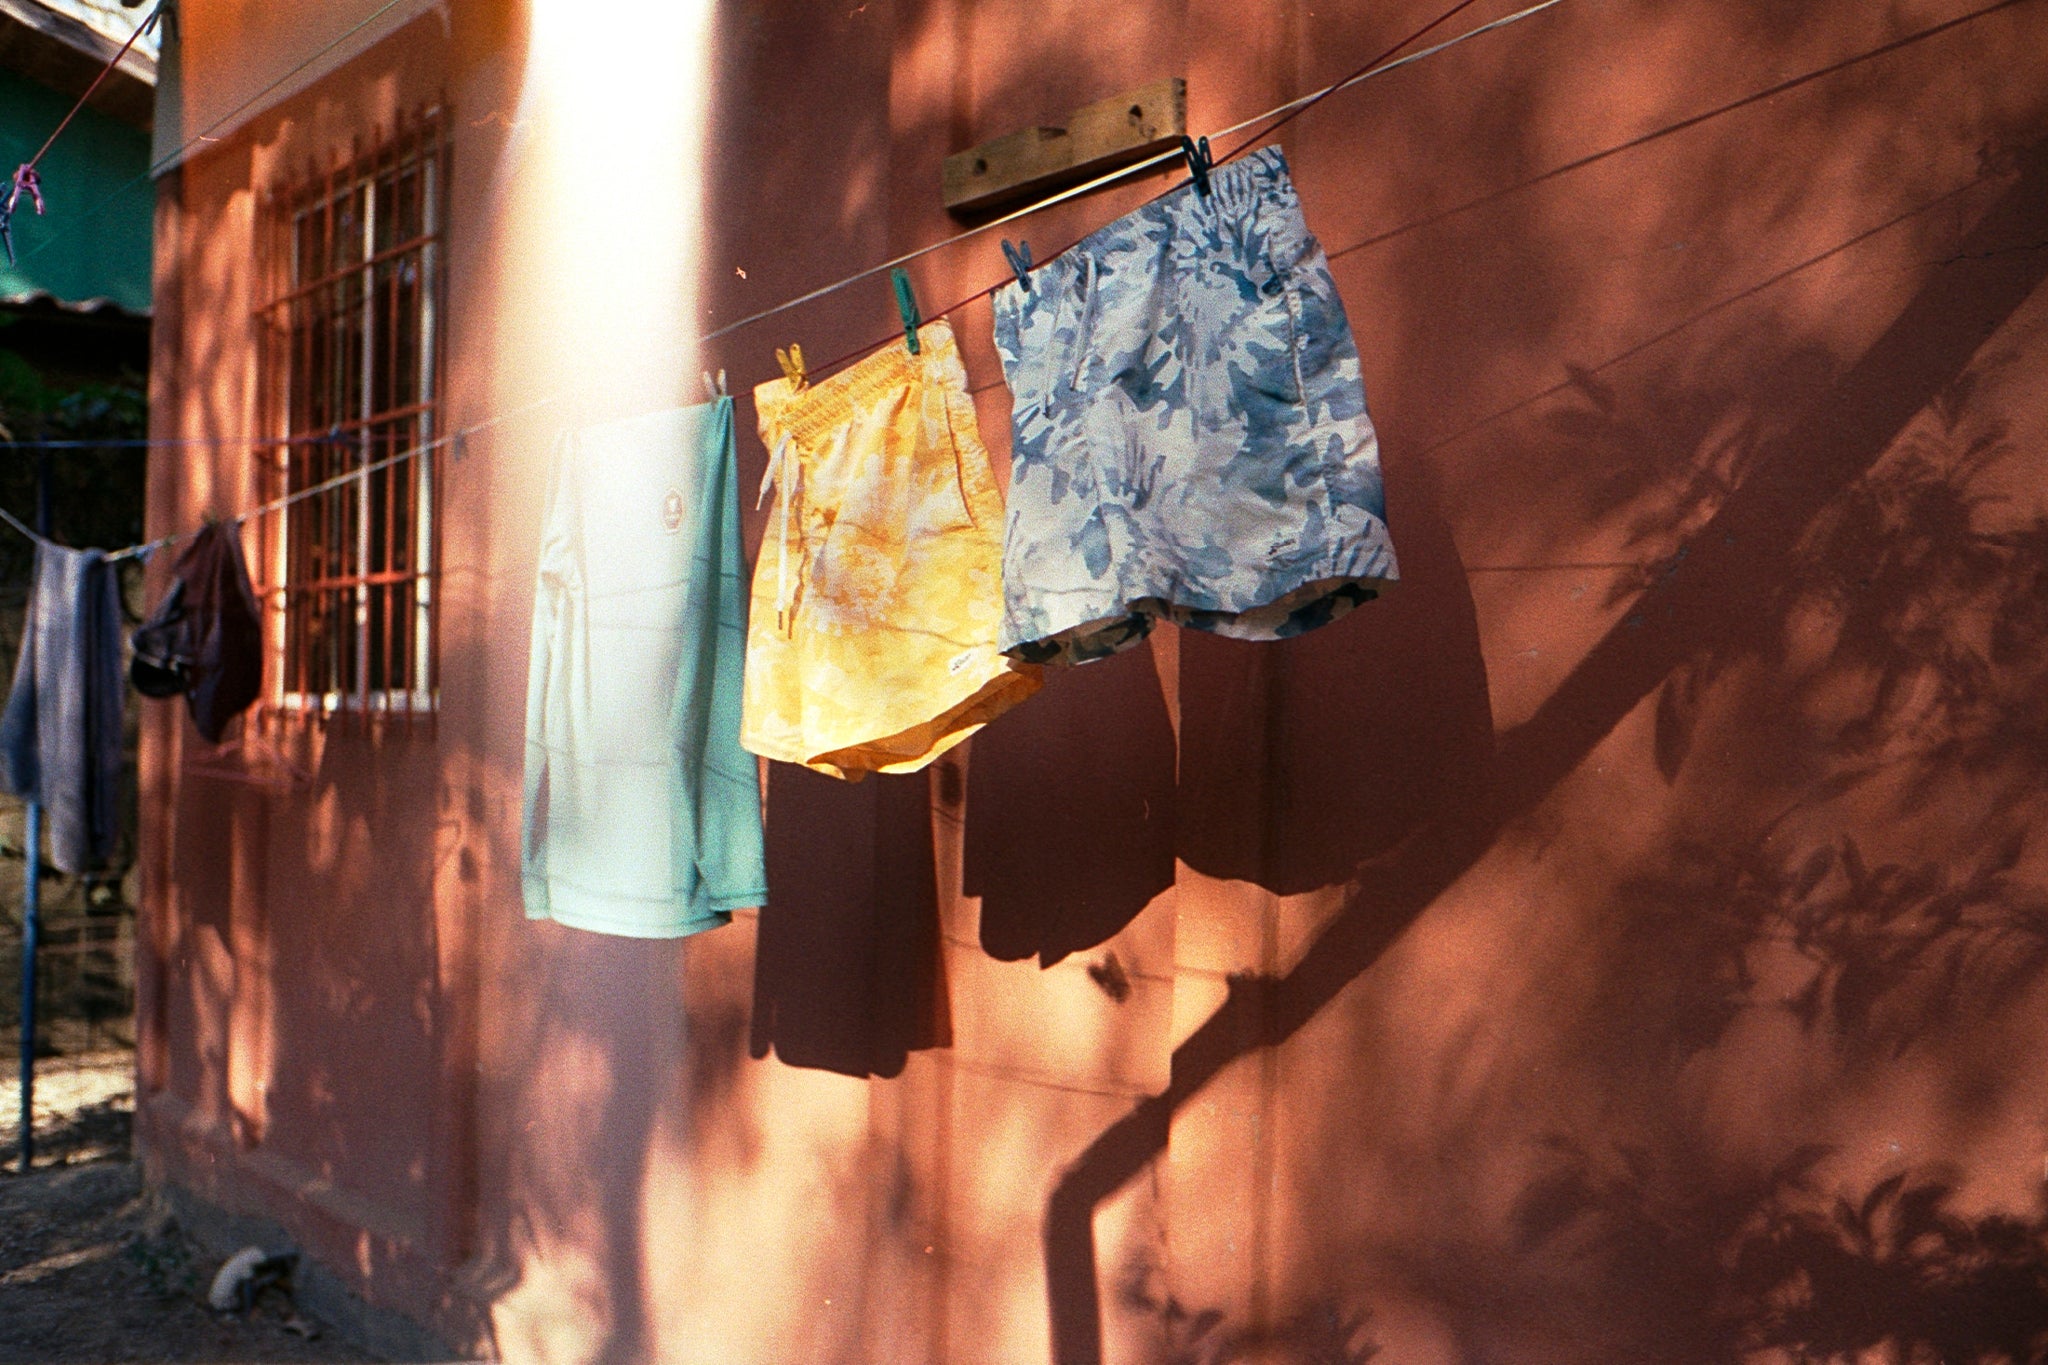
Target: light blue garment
<point>643,814</point>
<point>1190,438</point>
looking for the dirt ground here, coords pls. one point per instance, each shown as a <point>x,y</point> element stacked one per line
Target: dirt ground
<point>90,1269</point>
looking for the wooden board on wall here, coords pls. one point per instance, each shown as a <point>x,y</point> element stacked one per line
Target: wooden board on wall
<point>1098,137</point>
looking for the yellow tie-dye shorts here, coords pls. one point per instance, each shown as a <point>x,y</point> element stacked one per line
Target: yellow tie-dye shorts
<point>878,593</point>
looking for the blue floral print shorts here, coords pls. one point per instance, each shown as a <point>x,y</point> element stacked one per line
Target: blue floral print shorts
<point>1190,438</point>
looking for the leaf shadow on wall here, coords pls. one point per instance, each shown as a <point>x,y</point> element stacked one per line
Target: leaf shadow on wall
<point>1891,701</point>
<point>1887,908</point>
<point>597,1065</point>
<point>1303,758</point>
<point>1792,1264</point>
<point>1687,1251</point>
<point>1705,605</point>
<point>847,971</point>
<point>1087,767</point>
<point>1324,1331</point>
<point>1901,1269</point>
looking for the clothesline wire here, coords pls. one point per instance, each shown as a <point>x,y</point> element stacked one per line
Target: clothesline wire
<point>155,12</point>
<point>120,443</point>
<point>264,509</point>
<point>311,490</point>
<point>24,180</point>
<point>19,525</point>
<point>1287,113</point>
<point>1378,66</point>
<point>154,442</point>
<point>206,134</point>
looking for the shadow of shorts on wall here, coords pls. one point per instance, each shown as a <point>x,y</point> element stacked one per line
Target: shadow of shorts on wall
<point>847,971</point>
<point>1302,758</point>
<point>1070,811</point>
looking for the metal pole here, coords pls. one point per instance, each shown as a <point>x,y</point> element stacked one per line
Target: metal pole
<point>32,886</point>
<point>31,931</point>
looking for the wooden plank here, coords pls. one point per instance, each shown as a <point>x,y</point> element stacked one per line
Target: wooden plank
<point>1097,138</point>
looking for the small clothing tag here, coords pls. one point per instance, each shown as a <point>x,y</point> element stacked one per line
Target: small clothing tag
<point>962,659</point>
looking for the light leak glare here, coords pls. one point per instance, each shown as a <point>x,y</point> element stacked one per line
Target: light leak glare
<point>612,180</point>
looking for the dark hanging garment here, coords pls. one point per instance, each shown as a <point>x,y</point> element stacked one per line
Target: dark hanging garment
<point>60,734</point>
<point>205,639</point>
<point>158,668</point>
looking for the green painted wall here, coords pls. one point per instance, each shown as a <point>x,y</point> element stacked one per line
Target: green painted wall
<point>94,240</point>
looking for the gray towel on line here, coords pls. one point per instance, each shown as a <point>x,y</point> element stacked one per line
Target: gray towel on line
<point>60,734</point>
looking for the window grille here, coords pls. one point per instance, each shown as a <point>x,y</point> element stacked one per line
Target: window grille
<point>354,341</point>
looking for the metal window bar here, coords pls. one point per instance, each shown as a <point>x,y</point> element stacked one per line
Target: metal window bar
<point>353,335</point>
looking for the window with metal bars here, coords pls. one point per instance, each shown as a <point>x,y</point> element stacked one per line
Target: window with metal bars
<point>353,342</point>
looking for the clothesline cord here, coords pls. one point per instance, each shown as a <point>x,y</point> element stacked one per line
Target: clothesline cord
<point>311,490</point>
<point>1379,66</point>
<point>122,443</point>
<point>167,442</point>
<point>264,509</point>
<point>206,134</point>
<point>1292,110</point>
<point>18,524</point>
<point>154,14</point>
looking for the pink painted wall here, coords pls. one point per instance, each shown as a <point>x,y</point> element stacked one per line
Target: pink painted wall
<point>1624,942</point>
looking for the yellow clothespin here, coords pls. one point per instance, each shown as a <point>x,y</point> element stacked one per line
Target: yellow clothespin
<point>792,361</point>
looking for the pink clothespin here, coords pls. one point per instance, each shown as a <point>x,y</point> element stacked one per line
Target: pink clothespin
<point>25,178</point>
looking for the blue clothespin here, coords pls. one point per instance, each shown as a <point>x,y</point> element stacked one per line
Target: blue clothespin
<point>1199,162</point>
<point>906,304</point>
<point>1019,257</point>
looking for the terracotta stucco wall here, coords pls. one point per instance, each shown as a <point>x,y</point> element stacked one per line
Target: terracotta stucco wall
<point>1624,942</point>
<point>297,994</point>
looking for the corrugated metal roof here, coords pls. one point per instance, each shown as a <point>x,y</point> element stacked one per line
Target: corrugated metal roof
<point>43,298</point>
<point>94,28</point>
<point>93,242</point>
<point>111,18</point>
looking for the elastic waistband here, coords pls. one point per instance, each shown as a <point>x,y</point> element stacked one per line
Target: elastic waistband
<point>1234,185</point>
<point>824,407</point>
<point>1233,189</point>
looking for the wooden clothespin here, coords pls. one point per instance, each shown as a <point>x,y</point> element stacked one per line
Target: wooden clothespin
<point>714,387</point>
<point>1019,257</point>
<point>1199,162</point>
<point>906,304</point>
<point>792,362</point>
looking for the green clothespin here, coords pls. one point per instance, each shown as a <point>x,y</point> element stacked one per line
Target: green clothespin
<point>906,304</point>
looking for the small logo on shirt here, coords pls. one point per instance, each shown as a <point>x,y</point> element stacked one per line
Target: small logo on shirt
<point>672,511</point>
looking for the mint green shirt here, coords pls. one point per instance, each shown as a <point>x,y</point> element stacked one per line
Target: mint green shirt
<point>642,813</point>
